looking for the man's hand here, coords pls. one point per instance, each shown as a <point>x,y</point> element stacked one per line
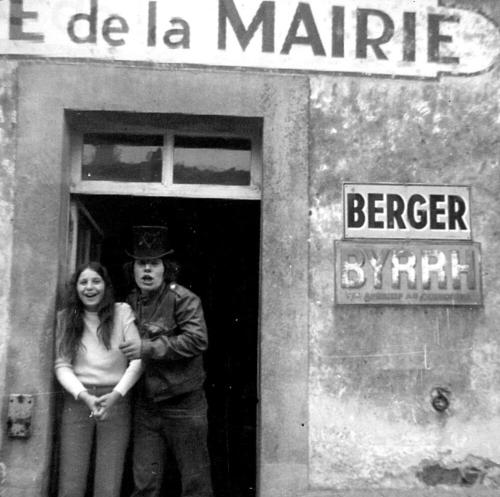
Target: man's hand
<point>131,348</point>
<point>152,329</point>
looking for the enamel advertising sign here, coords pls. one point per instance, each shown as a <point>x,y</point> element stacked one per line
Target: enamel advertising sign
<point>410,272</point>
<point>422,212</point>
<point>404,38</point>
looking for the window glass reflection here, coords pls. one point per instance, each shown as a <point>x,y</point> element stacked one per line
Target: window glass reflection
<point>212,160</point>
<point>120,157</point>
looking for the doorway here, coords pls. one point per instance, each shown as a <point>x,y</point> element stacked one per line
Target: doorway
<point>217,243</point>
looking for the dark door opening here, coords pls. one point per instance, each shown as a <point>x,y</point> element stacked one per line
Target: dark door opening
<point>217,244</point>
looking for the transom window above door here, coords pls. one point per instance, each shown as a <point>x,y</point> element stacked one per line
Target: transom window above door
<point>118,157</point>
<point>158,155</point>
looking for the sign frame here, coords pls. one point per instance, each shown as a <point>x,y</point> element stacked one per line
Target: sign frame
<point>410,190</point>
<point>405,296</point>
<point>384,38</point>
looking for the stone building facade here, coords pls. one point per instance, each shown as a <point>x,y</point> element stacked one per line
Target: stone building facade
<point>343,393</point>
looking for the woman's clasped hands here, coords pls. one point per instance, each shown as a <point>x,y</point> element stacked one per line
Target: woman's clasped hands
<point>100,406</point>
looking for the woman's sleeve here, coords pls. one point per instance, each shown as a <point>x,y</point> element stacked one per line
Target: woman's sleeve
<point>135,367</point>
<point>63,367</point>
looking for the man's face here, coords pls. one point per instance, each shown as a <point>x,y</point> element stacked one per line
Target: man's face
<point>148,274</point>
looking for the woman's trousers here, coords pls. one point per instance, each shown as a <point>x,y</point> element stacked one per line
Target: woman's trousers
<point>79,431</point>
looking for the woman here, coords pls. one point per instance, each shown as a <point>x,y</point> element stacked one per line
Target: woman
<point>96,377</point>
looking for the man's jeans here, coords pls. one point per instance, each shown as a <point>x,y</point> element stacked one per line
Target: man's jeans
<point>111,439</point>
<point>178,426</point>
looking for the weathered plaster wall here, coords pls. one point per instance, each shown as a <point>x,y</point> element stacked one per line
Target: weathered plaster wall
<point>371,422</point>
<point>41,168</point>
<point>372,369</point>
<point>7,160</point>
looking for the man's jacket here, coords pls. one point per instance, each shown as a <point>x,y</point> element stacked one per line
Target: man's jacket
<point>174,337</point>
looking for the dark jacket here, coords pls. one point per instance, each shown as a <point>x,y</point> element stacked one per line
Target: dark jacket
<point>174,337</point>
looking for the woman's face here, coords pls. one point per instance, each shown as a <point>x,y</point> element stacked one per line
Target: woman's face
<point>90,288</point>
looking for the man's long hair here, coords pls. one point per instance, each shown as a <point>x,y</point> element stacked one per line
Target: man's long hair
<point>73,326</point>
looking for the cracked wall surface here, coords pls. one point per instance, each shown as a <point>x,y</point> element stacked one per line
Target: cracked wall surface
<point>372,369</point>
<point>8,101</point>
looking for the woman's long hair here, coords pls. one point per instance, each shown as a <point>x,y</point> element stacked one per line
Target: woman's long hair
<point>71,339</point>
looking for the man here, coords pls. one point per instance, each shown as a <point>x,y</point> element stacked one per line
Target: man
<point>171,408</point>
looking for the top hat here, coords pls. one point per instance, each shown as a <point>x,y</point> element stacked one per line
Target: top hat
<point>149,242</point>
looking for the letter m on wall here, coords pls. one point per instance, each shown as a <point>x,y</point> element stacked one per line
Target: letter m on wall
<point>264,16</point>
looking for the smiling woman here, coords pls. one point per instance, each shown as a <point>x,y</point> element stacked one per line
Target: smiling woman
<point>90,287</point>
<point>96,377</point>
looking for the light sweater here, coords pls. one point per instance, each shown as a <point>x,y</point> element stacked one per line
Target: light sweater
<point>94,365</point>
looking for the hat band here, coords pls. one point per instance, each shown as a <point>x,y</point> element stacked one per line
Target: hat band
<point>148,254</point>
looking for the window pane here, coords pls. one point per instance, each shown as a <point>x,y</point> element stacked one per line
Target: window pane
<point>212,160</point>
<point>118,157</point>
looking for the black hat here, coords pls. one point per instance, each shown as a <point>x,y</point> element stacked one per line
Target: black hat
<point>149,242</point>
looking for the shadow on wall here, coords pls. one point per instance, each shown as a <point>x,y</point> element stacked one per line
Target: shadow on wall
<point>467,473</point>
<point>3,478</point>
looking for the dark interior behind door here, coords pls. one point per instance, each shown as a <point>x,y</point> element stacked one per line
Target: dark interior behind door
<point>217,243</point>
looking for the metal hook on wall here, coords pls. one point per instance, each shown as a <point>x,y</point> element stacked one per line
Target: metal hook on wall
<point>440,398</point>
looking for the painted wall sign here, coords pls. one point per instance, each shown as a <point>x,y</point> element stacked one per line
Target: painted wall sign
<point>406,211</point>
<point>402,273</point>
<point>408,38</point>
